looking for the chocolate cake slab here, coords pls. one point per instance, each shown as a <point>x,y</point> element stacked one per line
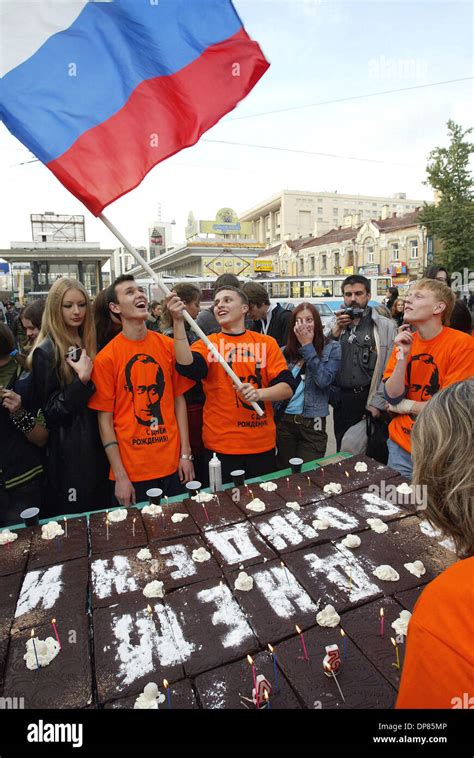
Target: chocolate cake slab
<point>409,537</point>
<point>367,504</point>
<point>276,602</point>
<point>273,501</point>
<point>290,530</point>
<point>66,547</point>
<point>162,527</point>
<point>408,598</point>
<point>9,591</point>
<point>231,686</point>
<point>345,473</point>
<point>301,489</point>
<point>381,550</point>
<point>238,545</point>
<point>14,555</point>
<point>361,684</point>
<point>215,513</point>
<point>67,681</point>
<point>119,535</point>
<point>114,577</point>
<point>181,697</point>
<point>210,617</point>
<point>133,647</point>
<point>52,592</point>
<point>363,627</point>
<point>334,577</point>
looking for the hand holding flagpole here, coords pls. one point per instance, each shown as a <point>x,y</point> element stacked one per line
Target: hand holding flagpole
<point>158,280</point>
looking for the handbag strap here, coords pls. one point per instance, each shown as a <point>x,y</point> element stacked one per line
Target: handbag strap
<point>285,403</point>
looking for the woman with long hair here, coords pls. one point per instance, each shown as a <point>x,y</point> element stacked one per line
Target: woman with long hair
<point>31,318</point>
<point>439,659</point>
<point>61,363</point>
<point>107,325</point>
<point>397,310</point>
<point>314,361</point>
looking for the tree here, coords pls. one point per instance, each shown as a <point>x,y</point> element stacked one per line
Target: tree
<point>452,219</point>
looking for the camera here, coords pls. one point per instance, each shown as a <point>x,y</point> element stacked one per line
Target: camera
<point>74,353</point>
<point>353,312</point>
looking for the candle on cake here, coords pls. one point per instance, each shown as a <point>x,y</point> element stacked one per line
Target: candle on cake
<point>34,647</point>
<point>167,688</point>
<point>397,664</point>
<point>303,645</point>
<point>381,622</point>
<point>275,669</point>
<point>53,621</point>
<point>254,675</point>
<point>343,635</point>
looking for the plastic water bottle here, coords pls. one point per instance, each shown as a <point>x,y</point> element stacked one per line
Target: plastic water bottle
<point>215,474</point>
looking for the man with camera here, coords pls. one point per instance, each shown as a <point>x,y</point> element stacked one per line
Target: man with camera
<point>366,340</point>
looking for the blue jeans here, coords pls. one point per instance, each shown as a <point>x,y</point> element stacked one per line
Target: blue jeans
<point>399,459</point>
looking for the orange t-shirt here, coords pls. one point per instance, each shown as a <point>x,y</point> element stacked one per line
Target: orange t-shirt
<point>137,382</point>
<point>438,671</point>
<point>230,425</point>
<point>432,365</point>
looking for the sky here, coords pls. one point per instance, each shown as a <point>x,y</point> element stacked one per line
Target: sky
<point>319,51</point>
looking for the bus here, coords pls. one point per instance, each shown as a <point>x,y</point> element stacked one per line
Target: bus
<point>287,290</point>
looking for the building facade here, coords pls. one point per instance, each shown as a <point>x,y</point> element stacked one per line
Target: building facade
<point>58,249</point>
<point>395,245</point>
<point>291,215</point>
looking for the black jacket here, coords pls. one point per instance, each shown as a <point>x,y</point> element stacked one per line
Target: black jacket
<point>20,460</point>
<point>279,325</point>
<point>77,467</point>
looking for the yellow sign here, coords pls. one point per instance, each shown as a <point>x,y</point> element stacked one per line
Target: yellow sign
<point>348,270</point>
<point>262,265</point>
<point>224,265</point>
<point>226,222</point>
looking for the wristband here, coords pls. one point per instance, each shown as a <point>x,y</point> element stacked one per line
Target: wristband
<point>110,443</point>
<point>23,420</point>
<point>13,353</point>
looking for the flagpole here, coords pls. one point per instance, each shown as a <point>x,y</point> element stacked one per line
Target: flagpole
<point>158,280</point>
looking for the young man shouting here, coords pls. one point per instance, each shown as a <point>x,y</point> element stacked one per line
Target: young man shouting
<point>142,412</point>
<point>231,427</point>
<point>422,363</point>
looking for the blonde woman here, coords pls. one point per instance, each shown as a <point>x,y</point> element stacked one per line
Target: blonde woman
<point>439,660</point>
<point>61,363</point>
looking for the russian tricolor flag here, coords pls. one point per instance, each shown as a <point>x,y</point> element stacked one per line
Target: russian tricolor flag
<point>102,91</point>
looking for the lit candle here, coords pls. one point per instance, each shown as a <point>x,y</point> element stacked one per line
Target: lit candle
<point>309,481</point>
<point>107,525</point>
<point>166,498</point>
<point>205,511</point>
<point>133,527</point>
<point>330,671</point>
<point>251,494</point>
<point>150,610</point>
<point>275,669</point>
<point>65,525</point>
<point>267,699</point>
<point>167,688</point>
<point>381,622</point>
<point>305,652</point>
<point>286,571</point>
<point>53,621</point>
<point>397,664</point>
<point>251,663</point>
<point>288,482</point>
<point>343,635</point>
<point>299,491</point>
<point>34,647</point>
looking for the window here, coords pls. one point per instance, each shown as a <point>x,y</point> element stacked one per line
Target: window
<point>320,199</point>
<point>304,221</point>
<point>323,262</point>
<point>395,251</point>
<point>320,210</point>
<point>311,264</point>
<point>268,223</point>
<point>413,248</point>
<point>301,265</point>
<point>277,219</point>
<point>336,260</point>
<point>346,211</point>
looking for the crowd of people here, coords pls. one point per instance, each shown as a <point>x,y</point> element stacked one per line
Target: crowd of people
<point>102,401</point>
